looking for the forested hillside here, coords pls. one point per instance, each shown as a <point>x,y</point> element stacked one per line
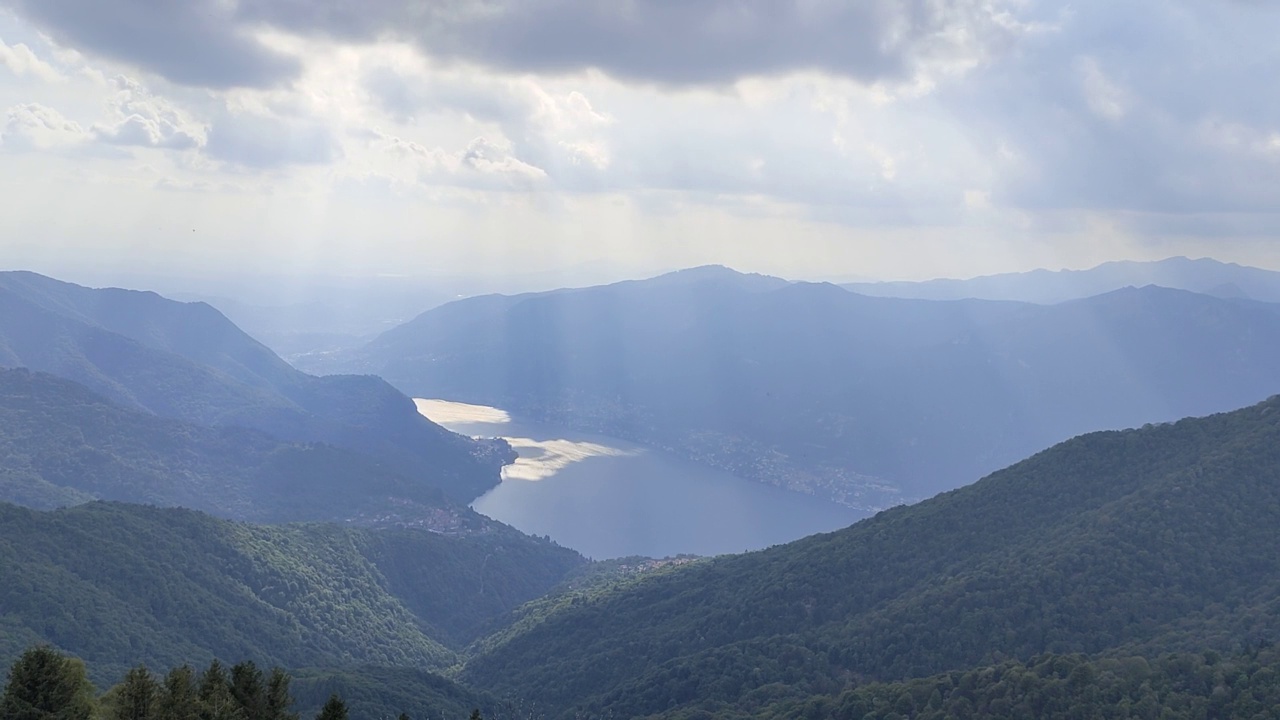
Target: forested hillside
<point>63,445</point>
<point>1178,686</point>
<point>121,584</point>
<point>869,401</point>
<point>188,362</point>
<point>44,684</point>
<point>1146,540</point>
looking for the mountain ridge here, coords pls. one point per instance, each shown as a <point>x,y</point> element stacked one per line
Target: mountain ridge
<point>869,401</point>
<point>1042,286</point>
<point>188,362</point>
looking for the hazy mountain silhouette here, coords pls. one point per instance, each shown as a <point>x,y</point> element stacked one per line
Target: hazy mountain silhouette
<point>187,361</point>
<point>1204,275</point>
<point>67,445</point>
<point>816,388</point>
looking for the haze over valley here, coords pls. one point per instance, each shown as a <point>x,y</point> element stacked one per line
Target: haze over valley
<point>578,360</point>
<point>700,413</point>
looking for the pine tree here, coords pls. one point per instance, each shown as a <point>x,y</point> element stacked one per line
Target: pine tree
<point>135,697</point>
<point>248,690</point>
<point>44,685</point>
<point>279,701</point>
<point>216,700</point>
<point>334,709</point>
<point>178,699</point>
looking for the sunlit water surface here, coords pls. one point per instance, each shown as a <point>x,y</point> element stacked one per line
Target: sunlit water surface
<point>606,497</point>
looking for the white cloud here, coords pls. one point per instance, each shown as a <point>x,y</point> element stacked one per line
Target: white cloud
<point>21,61</point>
<point>483,163</point>
<point>1104,97</point>
<point>36,127</point>
<point>141,119</point>
<point>1030,127</point>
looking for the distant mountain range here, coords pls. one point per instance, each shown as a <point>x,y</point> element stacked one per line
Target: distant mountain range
<point>1119,543</point>
<point>1129,573</point>
<point>1207,276</point>
<point>869,401</point>
<point>187,362</point>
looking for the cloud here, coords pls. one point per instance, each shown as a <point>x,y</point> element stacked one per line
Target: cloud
<point>261,141</point>
<point>1148,107</point>
<point>214,42</point>
<point>561,132</point>
<point>678,43</point>
<point>193,42</point>
<point>483,164</point>
<point>144,120</point>
<point>1103,97</point>
<point>23,62</point>
<point>33,126</point>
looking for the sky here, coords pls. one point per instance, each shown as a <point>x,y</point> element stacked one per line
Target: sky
<point>879,139</point>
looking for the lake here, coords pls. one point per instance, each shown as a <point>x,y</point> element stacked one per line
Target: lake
<point>607,498</point>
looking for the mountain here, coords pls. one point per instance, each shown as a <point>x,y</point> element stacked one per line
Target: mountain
<point>1178,686</point>
<point>187,361</point>
<point>1121,543</point>
<point>119,585</point>
<point>66,445</point>
<point>1204,275</point>
<point>868,401</point>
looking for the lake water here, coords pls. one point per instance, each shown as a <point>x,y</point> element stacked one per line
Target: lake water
<point>607,498</point>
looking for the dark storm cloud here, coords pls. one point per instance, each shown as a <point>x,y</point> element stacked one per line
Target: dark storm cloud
<point>205,42</point>
<point>193,42</point>
<point>700,41</point>
<point>666,41</point>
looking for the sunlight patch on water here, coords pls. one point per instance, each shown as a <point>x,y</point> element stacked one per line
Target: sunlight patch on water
<point>538,458</point>
<point>445,412</point>
<point>541,459</point>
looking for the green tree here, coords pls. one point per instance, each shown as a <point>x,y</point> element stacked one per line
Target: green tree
<point>135,697</point>
<point>334,709</point>
<point>216,700</point>
<point>44,685</point>
<point>178,699</point>
<point>248,690</point>
<point>279,703</point>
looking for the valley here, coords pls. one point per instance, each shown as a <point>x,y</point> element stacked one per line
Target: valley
<point>643,360</point>
<point>609,498</point>
<point>173,493</point>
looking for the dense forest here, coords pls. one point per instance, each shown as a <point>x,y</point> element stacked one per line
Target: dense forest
<point>43,684</point>
<point>1173,686</point>
<point>62,444</point>
<point>120,584</point>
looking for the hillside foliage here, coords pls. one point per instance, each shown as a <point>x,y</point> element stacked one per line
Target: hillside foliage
<point>1150,540</point>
